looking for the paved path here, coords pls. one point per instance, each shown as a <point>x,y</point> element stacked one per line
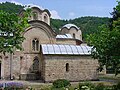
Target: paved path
<point>38,82</point>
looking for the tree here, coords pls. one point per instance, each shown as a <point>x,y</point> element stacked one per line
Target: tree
<point>10,7</point>
<point>106,43</point>
<point>88,24</point>
<point>12,27</point>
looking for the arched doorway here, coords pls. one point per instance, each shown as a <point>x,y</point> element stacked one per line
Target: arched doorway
<point>36,67</point>
<point>36,64</point>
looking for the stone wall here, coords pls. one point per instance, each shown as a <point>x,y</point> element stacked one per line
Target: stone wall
<point>6,64</point>
<point>39,34</point>
<point>10,65</point>
<point>72,30</point>
<point>66,41</point>
<point>20,66</point>
<point>27,72</point>
<point>80,68</point>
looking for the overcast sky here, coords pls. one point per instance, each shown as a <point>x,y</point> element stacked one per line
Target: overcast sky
<point>70,9</point>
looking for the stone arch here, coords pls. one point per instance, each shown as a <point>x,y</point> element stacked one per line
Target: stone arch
<point>46,18</point>
<point>40,30</point>
<point>64,30</point>
<point>43,26</point>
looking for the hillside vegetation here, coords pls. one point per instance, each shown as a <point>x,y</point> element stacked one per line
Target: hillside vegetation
<point>10,7</point>
<point>89,24</point>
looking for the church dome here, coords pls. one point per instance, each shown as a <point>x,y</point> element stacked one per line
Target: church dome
<point>68,26</point>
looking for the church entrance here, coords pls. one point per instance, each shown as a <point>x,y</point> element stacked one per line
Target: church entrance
<point>36,67</point>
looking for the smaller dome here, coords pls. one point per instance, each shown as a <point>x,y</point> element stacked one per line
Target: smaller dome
<point>33,6</point>
<point>68,26</point>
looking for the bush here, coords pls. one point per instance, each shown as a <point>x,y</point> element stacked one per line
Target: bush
<point>61,83</point>
<point>86,86</point>
<point>100,86</point>
<point>116,87</point>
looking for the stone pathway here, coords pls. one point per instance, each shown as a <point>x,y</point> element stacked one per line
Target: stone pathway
<point>38,82</point>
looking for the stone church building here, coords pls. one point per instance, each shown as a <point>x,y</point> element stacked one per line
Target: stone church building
<point>48,56</point>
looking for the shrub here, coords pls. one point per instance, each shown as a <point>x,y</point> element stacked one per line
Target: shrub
<point>116,87</point>
<point>100,86</point>
<point>86,86</point>
<point>60,83</point>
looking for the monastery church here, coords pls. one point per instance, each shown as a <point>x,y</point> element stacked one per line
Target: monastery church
<point>48,56</point>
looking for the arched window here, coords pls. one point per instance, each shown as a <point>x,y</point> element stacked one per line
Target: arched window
<point>21,57</point>
<point>35,15</point>
<point>67,67</point>
<point>73,35</point>
<point>45,18</point>
<point>36,64</point>
<point>35,44</point>
<point>21,61</point>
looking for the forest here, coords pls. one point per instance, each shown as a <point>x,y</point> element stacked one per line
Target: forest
<point>88,24</point>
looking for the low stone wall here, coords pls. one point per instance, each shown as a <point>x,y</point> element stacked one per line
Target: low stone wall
<point>80,68</point>
<point>30,76</point>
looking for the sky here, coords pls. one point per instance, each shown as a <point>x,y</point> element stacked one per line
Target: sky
<point>70,9</point>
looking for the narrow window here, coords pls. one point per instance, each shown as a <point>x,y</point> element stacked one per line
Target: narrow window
<point>35,44</point>
<point>35,64</point>
<point>67,67</point>
<point>73,35</point>
<point>21,60</point>
<point>21,57</point>
<point>45,18</point>
<point>35,15</point>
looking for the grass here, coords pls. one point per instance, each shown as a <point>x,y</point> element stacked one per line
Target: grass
<point>50,87</point>
<point>40,87</point>
<point>110,77</point>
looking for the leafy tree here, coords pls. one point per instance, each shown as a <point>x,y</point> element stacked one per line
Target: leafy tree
<point>87,24</point>
<point>56,24</point>
<point>11,7</point>
<point>12,27</point>
<point>106,43</point>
